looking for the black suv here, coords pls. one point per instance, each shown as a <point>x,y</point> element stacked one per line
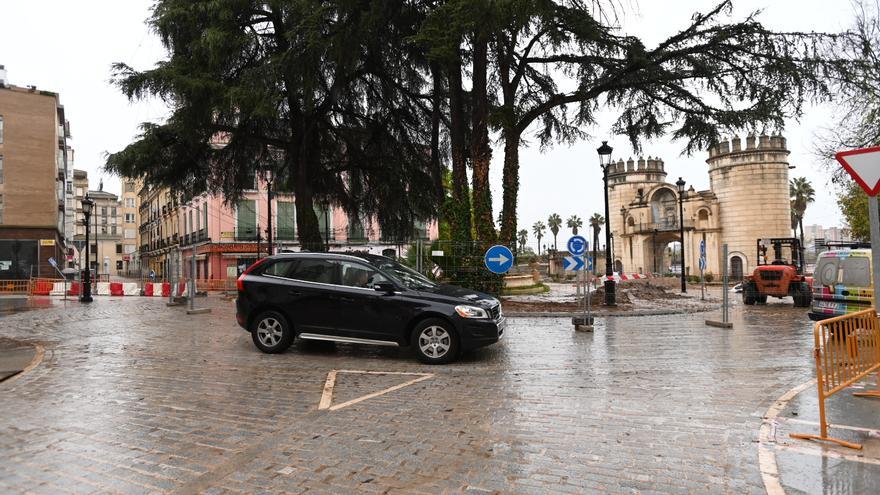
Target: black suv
<point>363,299</point>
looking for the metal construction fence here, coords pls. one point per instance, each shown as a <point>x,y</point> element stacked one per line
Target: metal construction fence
<point>847,349</point>
<point>457,263</point>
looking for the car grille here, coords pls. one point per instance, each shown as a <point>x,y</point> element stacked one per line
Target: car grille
<point>495,312</point>
<point>771,275</point>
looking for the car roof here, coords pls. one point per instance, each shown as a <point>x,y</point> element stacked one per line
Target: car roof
<point>846,252</point>
<point>370,258</point>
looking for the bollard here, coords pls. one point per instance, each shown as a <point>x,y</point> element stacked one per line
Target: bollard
<point>725,289</point>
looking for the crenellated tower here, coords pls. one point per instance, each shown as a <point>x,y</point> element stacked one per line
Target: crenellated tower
<point>751,184</point>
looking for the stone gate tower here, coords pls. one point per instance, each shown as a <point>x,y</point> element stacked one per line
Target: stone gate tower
<point>747,200</point>
<point>751,184</point>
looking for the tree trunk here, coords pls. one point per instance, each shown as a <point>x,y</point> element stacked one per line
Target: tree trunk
<point>481,151</point>
<point>801,225</point>
<point>510,183</point>
<point>460,217</point>
<point>436,108</point>
<point>307,227</point>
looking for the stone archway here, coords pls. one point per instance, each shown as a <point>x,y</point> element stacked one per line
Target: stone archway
<point>618,266</point>
<point>654,246</point>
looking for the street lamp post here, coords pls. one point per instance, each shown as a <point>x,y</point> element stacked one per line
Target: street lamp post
<point>681,192</point>
<point>86,294</point>
<point>605,161</point>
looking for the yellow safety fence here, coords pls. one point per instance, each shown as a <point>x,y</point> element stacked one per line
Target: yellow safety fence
<point>15,286</point>
<point>847,350</point>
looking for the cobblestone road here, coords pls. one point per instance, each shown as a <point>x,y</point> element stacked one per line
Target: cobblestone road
<point>134,397</point>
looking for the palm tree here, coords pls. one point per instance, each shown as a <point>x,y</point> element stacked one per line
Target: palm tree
<point>596,222</point>
<point>554,221</point>
<point>523,237</point>
<point>538,230</point>
<point>574,222</point>
<point>802,194</point>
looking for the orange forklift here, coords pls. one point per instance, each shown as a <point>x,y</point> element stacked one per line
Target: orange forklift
<point>780,277</point>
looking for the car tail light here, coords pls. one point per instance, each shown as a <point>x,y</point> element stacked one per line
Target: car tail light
<point>240,282</point>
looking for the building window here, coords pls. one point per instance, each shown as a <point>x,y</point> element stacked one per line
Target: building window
<point>1,169</point>
<point>119,249</point>
<point>130,233</point>
<point>129,187</point>
<point>1,129</point>
<point>325,221</point>
<point>103,211</point>
<point>113,230</point>
<point>286,221</point>
<point>119,265</point>
<point>191,224</point>
<point>246,225</point>
<point>205,215</point>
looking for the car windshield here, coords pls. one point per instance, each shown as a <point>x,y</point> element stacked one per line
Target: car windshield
<point>403,275</point>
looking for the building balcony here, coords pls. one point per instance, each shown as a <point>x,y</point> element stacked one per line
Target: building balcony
<point>663,226</point>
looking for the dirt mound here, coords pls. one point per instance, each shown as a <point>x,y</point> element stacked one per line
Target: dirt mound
<point>649,291</point>
<point>621,296</point>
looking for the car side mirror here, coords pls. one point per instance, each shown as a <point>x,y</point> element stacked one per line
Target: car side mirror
<point>384,287</point>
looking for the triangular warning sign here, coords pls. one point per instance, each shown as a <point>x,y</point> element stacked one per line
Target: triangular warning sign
<point>864,166</point>
<point>330,384</point>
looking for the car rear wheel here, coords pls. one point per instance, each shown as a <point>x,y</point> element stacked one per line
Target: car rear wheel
<point>271,332</point>
<point>435,342</point>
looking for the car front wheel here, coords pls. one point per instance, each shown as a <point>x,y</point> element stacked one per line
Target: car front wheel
<point>271,332</point>
<point>435,342</point>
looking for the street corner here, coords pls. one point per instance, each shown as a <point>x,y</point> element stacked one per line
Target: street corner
<point>791,463</point>
<point>18,357</point>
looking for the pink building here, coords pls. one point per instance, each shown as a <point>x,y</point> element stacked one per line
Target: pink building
<point>225,239</point>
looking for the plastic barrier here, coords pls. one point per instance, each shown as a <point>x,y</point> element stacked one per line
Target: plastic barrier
<point>131,289</point>
<point>166,289</point>
<point>148,289</point>
<point>103,289</point>
<point>847,349</point>
<point>73,289</point>
<point>57,289</point>
<point>116,289</point>
<point>181,289</point>
<point>42,286</point>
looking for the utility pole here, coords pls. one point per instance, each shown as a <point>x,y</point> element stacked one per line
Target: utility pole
<point>269,230</point>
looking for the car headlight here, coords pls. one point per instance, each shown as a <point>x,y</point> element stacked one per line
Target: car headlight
<point>471,312</point>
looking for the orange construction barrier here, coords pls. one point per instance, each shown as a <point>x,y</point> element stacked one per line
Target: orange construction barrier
<point>73,290</point>
<point>43,286</point>
<point>116,289</point>
<point>847,350</point>
<point>14,286</point>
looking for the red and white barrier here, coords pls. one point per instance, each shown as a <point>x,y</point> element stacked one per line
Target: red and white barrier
<point>624,277</point>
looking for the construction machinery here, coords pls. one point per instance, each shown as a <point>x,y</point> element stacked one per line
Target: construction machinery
<point>780,277</point>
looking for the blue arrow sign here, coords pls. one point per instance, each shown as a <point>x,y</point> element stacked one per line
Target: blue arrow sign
<point>702,263</point>
<point>702,249</point>
<point>498,259</point>
<point>589,263</point>
<point>577,245</point>
<point>53,262</point>
<point>573,263</point>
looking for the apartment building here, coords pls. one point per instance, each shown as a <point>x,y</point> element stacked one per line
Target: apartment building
<point>33,180</point>
<point>129,218</point>
<point>225,239</point>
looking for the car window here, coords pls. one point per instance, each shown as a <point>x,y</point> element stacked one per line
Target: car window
<point>406,276</point>
<point>358,275</point>
<point>856,272</point>
<point>281,268</point>
<point>826,271</point>
<point>315,270</point>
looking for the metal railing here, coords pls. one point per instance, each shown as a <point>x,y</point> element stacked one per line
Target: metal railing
<point>847,349</point>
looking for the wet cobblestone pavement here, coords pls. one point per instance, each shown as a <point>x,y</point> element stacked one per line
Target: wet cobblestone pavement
<point>135,397</point>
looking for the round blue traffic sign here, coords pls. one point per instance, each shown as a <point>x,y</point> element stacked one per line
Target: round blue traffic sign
<point>498,259</point>
<point>577,245</point>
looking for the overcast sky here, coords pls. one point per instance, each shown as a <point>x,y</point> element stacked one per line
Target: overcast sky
<point>68,47</point>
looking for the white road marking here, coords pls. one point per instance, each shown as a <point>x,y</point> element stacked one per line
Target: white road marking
<point>327,395</point>
<point>767,439</point>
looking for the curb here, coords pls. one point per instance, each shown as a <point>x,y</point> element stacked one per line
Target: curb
<point>607,314</point>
